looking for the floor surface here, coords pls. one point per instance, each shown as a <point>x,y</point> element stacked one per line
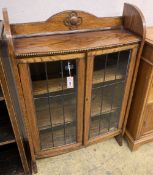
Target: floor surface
<point>105,158</point>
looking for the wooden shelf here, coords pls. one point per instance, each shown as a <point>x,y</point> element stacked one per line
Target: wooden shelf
<point>102,124</point>
<point>1,98</point>
<point>1,95</point>
<point>58,131</point>
<point>6,133</point>
<point>58,137</point>
<point>76,41</point>
<point>109,76</point>
<point>9,141</point>
<point>10,163</point>
<point>43,116</point>
<point>54,85</point>
<point>96,108</point>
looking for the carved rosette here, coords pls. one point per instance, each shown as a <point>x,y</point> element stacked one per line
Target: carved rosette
<point>73,20</point>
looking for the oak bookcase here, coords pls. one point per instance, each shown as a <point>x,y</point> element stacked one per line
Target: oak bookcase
<point>97,57</point>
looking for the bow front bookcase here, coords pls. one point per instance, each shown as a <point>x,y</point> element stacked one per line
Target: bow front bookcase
<point>75,75</point>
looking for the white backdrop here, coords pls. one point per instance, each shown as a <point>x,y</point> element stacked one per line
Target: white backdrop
<point>38,10</point>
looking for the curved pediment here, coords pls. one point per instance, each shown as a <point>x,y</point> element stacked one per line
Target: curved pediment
<point>67,21</point>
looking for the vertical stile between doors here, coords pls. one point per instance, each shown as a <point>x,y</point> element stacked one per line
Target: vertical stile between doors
<point>80,98</point>
<point>88,89</point>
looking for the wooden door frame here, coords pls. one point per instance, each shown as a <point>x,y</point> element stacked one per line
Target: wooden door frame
<point>24,72</point>
<point>88,91</point>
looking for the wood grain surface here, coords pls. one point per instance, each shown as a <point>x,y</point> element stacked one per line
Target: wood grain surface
<point>73,42</point>
<point>54,85</point>
<point>56,23</point>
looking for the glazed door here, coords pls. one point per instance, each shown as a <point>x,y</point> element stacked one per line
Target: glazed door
<point>55,103</point>
<point>105,90</point>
